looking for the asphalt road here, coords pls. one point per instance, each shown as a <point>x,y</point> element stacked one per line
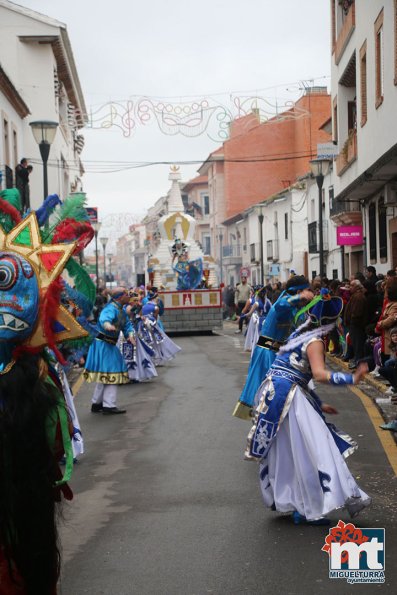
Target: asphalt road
<point>165,504</point>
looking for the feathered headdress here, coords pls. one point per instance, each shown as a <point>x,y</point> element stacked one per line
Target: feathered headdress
<point>34,251</point>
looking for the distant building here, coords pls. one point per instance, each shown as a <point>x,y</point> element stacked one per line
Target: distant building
<point>261,158</point>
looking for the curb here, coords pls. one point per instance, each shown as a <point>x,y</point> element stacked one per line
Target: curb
<point>388,411</point>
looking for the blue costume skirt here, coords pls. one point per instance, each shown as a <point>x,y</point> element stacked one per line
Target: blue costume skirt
<point>261,362</point>
<point>105,364</point>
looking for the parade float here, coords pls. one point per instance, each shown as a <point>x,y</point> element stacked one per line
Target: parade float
<point>184,276</point>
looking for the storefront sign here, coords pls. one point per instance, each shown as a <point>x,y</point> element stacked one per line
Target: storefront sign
<point>92,213</point>
<point>349,235</point>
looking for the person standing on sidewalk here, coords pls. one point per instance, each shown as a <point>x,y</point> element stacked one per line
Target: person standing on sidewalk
<point>105,364</point>
<point>355,320</point>
<point>242,294</point>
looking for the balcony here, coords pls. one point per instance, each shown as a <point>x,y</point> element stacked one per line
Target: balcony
<point>313,238</point>
<point>272,253</point>
<point>232,254</point>
<point>345,33</point>
<point>345,212</point>
<point>348,153</point>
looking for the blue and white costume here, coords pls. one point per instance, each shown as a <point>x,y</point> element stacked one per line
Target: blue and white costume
<point>138,358</point>
<point>164,348</point>
<point>256,321</point>
<point>277,327</point>
<point>105,364</point>
<point>302,466</point>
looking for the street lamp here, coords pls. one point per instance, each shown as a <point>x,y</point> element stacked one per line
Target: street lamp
<point>260,219</point>
<point>320,168</point>
<point>110,256</point>
<point>96,226</point>
<point>220,236</point>
<point>44,133</point>
<point>104,241</point>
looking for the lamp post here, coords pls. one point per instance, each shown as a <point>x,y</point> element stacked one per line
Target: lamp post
<point>220,236</point>
<point>110,256</point>
<point>320,168</point>
<point>260,219</point>
<point>104,241</point>
<point>97,227</point>
<point>44,133</point>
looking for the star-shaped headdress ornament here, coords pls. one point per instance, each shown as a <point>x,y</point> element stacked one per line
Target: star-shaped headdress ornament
<point>48,262</point>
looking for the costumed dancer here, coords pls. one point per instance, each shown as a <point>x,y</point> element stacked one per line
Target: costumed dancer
<point>277,327</point>
<point>34,423</point>
<point>165,349</point>
<point>260,308</point>
<point>189,272</point>
<point>105,364</point>
<point>302,457</point>
<point>138,358</point>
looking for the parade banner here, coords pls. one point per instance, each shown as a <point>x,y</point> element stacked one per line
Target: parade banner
<point>349,235</point>
<point>197,298</point>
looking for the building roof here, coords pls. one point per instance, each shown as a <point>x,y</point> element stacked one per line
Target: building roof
<point>217,155</point>
<point>67,70</point>
<point>197,181</point>
<point>234,219</point>
<point>10,92</point>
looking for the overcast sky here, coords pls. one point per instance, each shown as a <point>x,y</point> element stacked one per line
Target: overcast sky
<point>125,49</point>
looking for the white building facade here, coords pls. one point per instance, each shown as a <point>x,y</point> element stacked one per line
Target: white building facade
<point>36,55</point>
<point>364,99</point>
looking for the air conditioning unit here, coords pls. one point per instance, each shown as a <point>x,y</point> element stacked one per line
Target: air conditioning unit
<point>390,194</point>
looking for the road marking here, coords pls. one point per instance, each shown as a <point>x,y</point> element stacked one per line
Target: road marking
<point>385,438</point>
<point>77,385</point>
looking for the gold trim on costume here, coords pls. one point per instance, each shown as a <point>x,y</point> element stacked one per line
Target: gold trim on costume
<point>243,411</point>
<point>8,367</point>
<point>106,377</point>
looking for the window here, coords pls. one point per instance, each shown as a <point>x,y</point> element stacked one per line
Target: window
<point>372,231</point>
<point>206,204</point>
<point>382,218</point>
<point>312,209</point>
<point>335,123</point>
<point>244,239</point>
<point>379,60</point>
<point>363,82</point>
<point>207,244</point>
<point>331,197</point>
<point>15,146</point>
<point>6,139</point>
<point>286,226</point>
<point>334,273</point>
<point>252,252</point>
<point>312,230</point>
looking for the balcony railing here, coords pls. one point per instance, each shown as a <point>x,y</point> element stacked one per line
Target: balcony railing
<point>233,250</point>
<point>345,212</point>
<point>348,153</point>
<point>345,33</point>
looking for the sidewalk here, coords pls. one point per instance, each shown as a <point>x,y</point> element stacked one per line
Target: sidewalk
<point>376,389</point>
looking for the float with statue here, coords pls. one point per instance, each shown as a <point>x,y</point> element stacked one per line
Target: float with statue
<point>184,276</point>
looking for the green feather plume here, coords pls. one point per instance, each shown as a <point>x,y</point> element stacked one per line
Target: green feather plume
<point>82,280</point>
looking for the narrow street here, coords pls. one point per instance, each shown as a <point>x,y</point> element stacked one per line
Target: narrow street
<point>165,504</point>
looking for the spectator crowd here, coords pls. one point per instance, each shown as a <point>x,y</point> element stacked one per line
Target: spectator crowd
<point>367,330</point>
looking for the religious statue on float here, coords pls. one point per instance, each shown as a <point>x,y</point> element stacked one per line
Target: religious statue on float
<point>189,272</point>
